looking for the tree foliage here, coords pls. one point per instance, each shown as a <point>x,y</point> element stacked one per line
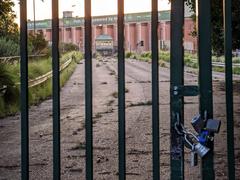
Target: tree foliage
<point>37,42</point>
<point>9,28</point>
<point>66,47</point>
<point>217,23</point>
<point>8,47</point>
<point>236,24</point>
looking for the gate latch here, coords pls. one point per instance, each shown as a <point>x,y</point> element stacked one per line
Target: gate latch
<point>189,90</point>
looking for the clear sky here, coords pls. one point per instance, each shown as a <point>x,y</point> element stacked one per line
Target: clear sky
<point>99,7</point>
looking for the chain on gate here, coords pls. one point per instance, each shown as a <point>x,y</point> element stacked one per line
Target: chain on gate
<point>205,129</point>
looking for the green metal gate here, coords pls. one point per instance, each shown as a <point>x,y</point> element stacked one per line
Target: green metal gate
<point>177,92</point>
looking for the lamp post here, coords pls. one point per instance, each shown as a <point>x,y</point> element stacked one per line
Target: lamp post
<point>34,17</point>
<point>34,24</point>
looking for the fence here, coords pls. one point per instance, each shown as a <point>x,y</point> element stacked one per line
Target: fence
<point>15,59</point>
<point>178,90</point>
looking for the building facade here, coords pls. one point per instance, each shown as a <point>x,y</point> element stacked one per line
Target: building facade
<point>137,28</point>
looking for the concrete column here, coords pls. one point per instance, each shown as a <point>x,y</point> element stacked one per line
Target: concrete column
<point>46,34</point>
<point>115,36</point>
<point>73,34</point>
<point>167,34</point>
<point>94,31</point>
<point>104,27</point>
<point>164,31</point>
<point>126,37</point>
<point>139,32</point>
<point>150,36</point>
<point>65,32</point>
<point>159,35</point>
<point>145,36</point>
<point>99,30</point>
<point>110,30</point>
<point>133,36</point>
<point>83,38</point>
<point>60,35</point>
<point>78,36</point>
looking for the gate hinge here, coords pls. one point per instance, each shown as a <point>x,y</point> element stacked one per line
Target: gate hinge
<point>188,90</point>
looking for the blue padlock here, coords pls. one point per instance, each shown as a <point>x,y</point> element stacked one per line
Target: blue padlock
<point>203,137</point>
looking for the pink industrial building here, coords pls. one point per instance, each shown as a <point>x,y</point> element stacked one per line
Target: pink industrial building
<point>137,29</point>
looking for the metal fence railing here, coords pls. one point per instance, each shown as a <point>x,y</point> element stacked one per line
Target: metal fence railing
<point>177,89</point>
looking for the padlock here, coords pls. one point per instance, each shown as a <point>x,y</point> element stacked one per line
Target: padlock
<point>201,150</point>
<point>203,137</point>
<point>213,125</point>
<point>198,123</point>
<point>194,158</point>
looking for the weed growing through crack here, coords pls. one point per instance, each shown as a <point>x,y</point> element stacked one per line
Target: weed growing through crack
<point>115,94</point>
<point>79,146</point>
<point>147,103</point>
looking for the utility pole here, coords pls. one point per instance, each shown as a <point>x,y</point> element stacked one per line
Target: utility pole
<point>34,23</point>
<point>34,17</point>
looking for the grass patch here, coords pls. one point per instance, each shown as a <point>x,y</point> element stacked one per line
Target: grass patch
<point>44,90</point>
<point>10,102</point>
<point>190,60</point>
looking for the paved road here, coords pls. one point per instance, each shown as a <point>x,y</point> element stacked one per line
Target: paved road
<point>138,127</point>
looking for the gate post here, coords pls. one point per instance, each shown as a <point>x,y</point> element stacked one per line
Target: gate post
<point>56,92</point>
<point>176,81</point>
<point>155,92</point>
<point>24,92</point>
<point>88,90</point>
<point>205,76</point>
<point>121,92</point>
<point>227,5</point>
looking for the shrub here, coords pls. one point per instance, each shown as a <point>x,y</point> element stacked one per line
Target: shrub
<point>236,59</point>
<point>147,55</point>
<point>8,47</point>
<point>128,54</point>
<point>37,42</point>
<point>66,47</point>
<point>11,96</point>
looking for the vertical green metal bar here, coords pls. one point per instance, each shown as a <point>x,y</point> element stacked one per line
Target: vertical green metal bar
<point>88,90</point>
<point>176,79</point>
<point>24,92</point>
<point>205,76</point>
<point>56,92</point>
<point>155,92</point>
<point>227,5</point>
<point>121,93</point>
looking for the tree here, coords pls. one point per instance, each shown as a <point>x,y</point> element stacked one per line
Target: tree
<point>9,28</point>
<point>8,47</point>
<point>236,24</point>
<point>38,42</point>
<point>217,23</point>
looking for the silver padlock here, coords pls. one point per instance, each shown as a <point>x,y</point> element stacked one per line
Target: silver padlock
<point>197,147</point>
<point>201,149</point>
<point>198,123</point>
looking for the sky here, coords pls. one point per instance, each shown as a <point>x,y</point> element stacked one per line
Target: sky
<point>99,7</point>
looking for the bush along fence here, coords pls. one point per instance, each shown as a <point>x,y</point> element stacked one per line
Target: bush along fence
<point>40,87</point>
<point>190,60</point>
